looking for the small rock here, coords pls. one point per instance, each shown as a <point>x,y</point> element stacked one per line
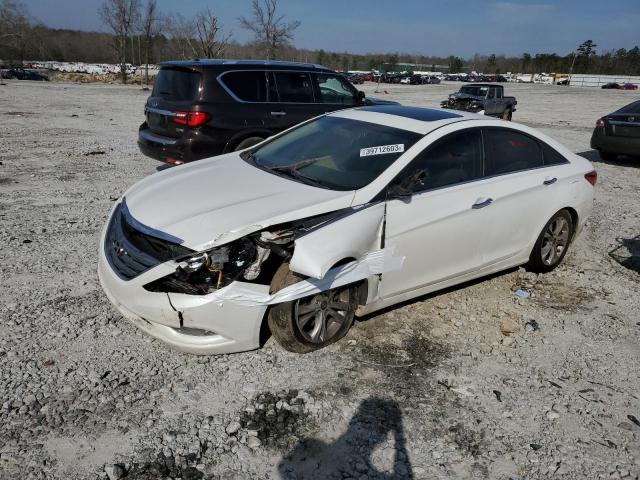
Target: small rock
<point>507,327</point>
<point>253,442</point>
<point>233,427</point>
<point>114,472</point>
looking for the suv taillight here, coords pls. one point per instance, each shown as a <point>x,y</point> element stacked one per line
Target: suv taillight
<point>600,123</point>
<point>591,177</point>
<point>191,119</point>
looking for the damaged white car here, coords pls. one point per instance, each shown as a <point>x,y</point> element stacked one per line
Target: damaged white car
<point>340,216</point>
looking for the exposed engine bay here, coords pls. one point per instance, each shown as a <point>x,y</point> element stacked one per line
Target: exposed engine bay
<point>253,258</point>
<point>464,102</point>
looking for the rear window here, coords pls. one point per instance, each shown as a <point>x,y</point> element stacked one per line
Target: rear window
<point>177,84</point>
<point>247,86</point>
<point>508,151</point>
<point>631,108</point>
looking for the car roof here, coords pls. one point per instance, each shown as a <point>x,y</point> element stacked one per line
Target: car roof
<point>415,119</point>
<point>225,63</point>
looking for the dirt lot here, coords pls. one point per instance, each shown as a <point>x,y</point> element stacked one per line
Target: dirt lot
<point>429,390</point>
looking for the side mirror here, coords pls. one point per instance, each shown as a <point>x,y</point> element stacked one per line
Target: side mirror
<point>361,97</point>
<point>406,187</point>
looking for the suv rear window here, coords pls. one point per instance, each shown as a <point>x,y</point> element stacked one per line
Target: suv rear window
<point>177,84</point>
<point>247,86</point>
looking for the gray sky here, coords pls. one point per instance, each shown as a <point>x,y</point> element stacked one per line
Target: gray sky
<point>429,27</point>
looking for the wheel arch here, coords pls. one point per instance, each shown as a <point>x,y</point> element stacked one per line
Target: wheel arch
<point>243,135</point>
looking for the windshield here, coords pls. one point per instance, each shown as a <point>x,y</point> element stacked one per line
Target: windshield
<point>475,91</point>
<point>332,152</point>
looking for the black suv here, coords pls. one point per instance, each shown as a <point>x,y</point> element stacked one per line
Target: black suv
<point>203,108</point>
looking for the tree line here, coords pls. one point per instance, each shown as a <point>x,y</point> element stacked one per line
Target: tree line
<point>139,33</point>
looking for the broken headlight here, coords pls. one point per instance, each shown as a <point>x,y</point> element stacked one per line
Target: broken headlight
<point>207,271</point>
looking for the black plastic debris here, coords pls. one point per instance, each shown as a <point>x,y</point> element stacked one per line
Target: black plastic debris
<point>498,395</point>
<point>27,241</point>
<point>634,420</point>
<point>95,152</point>
<point>535,446</point>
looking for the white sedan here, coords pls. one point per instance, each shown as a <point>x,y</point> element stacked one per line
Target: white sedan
<point>339,216</point>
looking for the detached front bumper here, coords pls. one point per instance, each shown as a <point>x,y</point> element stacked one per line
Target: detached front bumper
<point>191,323</point>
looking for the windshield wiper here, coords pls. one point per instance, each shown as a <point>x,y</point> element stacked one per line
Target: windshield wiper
<point>293,171</point>
<point>294,167</point>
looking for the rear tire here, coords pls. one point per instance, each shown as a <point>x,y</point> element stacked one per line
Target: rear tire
<point>608,156</point>
<point>552,244</point>
<point>313,322</point>
<point>507,115</point>
<point>248,142</point>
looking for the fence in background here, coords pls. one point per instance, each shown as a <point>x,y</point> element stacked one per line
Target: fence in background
<point>599,80</point>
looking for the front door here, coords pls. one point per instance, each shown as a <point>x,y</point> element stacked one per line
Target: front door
<point>439,229</point>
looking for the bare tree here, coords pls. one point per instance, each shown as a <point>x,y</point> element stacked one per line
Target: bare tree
<point>149,29</point>
<point>180,30</point>
<point>270,29</point>
<point>15,28</point>
<point>121,16</point>
<point>212,41</point>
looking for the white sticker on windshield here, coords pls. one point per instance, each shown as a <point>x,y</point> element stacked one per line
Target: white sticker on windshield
<point>381,150</point>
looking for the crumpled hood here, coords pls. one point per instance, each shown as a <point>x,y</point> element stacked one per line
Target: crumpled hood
<point>215,201</point>
<point>464,96</point>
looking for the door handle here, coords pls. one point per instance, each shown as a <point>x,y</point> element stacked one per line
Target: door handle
<point>278,114</point>
<point>549,181</point>
<point>482,204</point>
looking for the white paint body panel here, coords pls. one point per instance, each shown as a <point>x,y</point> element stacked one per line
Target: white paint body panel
<point>352,236</point>
<point>440,238</point>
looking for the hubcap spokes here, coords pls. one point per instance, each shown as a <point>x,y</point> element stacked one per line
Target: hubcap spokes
<point>319,318</point>
<point>555,240</point>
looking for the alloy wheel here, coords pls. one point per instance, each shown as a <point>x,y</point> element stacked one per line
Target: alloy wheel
<point>320,318</point>
<point>555,240</point>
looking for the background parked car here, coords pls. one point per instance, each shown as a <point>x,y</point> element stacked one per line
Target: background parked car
<point>618,133</point>
<point>203,108</point>
<point>22,74</point>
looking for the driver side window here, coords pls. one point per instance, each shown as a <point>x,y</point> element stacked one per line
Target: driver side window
<point>335,89</point>
<point>456,158</point>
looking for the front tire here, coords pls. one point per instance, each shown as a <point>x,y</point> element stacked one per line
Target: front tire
<point>313,322</point>
<point>553,243</point>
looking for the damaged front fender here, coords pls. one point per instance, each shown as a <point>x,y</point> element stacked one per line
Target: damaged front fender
<point>349,237</point>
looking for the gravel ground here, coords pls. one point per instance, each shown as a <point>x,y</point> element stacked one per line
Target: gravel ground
<point>473,382</point>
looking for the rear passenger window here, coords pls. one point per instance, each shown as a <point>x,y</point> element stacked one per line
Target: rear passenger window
<point>551,156</point>
<point>508,151</point>
<point>294,87</point>
<point>454,159</point>
<point>247,86</point>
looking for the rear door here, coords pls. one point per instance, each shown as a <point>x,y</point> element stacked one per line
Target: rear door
<point>175,89</point>
<point>522,192</point>
<point>250,94</point>
<point>295,99</point>
<point>491,103</point>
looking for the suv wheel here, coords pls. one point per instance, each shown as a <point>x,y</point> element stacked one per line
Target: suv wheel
<point>311,323</point>
<point>248,142</point>
<point>552,244</point>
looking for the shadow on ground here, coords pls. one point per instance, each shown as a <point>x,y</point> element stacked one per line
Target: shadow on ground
<point>627,253</point>
<point>621,161</point>
<point>352,454</point>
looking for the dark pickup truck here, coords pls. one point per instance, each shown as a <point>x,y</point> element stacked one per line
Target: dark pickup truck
<point>482,98</point>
